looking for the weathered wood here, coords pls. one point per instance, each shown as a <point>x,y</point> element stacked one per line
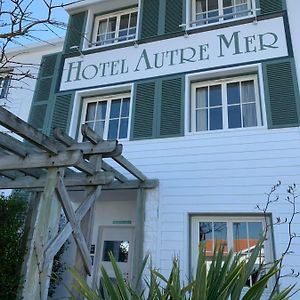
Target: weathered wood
<point>116,152</point>
<point>90,134</point>
<point>12,145</point>
<point>85,166</point>
<point>77,233</point>
<point>45,226</point>
<point>132,184</point>
<point>63,137</point>
<point>130,167</point>
<point>40,160</point>
<point>73,180</point>
<point>23,129</point>
<point>119,176</point>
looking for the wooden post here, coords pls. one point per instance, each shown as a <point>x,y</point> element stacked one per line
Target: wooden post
<point>37,278</point>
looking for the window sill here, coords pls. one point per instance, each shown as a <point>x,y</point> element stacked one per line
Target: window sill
<point>111,46</point>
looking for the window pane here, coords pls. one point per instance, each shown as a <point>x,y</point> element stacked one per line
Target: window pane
<point>111,26</point>
<point>233,93</point>
<point>206,236</point>
<point>227,3</point>
<point>212,4</point>
<point>101,110</point>
<point>125,107</point>
<point>91,110</point>
<point>215,95</point>
<point>201,6</point>
<point>202,97</point>
<point>99,127</point>
<point>249,115</point>
<point>201,119</point>
<point>255,232</point>
<point>123,128</point>
<point>124,21</point>
<point>234,116</point>
<point>240,237</point>
<point>216,119</point>
<point>220,235</point>
<point>115,108</point>
<point>133,19</point>
<point>113,129</point>
<point>248,91</point>
<point>119,249</point>
<point>102,27</point>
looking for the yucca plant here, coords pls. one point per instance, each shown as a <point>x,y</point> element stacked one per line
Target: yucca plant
<point>225,279</point>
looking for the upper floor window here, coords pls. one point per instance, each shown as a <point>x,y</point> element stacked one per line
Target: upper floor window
<point>225,104</point>
<point>4,86</point>
<point>211,11</point>
<point>114,28</point>
<point>108,115</point>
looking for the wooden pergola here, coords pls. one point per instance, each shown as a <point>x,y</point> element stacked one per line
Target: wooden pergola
<point>50,168</point>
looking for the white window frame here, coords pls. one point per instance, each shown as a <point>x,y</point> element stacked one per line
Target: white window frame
<point>118,15</point>
<point>191,14</point>
<point>223,82</point>
<point>230,219</point>
<point>108,99</point>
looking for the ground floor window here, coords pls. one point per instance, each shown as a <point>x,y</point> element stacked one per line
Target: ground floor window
<point>108,115</point>
<point>238,233</point>
<point>225,104</point>
<point>4,86</point>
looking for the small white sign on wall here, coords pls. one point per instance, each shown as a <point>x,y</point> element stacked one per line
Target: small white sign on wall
<point>249,42</point>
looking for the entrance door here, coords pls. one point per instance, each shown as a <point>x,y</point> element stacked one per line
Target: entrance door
<point>118,240</point>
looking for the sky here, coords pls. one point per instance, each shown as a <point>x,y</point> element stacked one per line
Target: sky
<point>37,10</point>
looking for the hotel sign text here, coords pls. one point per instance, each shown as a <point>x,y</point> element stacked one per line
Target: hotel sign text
<point>211,49</point>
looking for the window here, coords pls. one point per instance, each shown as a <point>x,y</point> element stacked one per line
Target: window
<point>238,233</point>
<point>4,86</point>
<point>211,11</point>
<point>108,115</point>
<point>225,104</point>
<point>115,28</point>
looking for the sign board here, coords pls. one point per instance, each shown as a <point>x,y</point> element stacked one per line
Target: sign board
<point>232,45</point>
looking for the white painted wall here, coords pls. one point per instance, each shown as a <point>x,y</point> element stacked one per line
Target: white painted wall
<point>218,172</point>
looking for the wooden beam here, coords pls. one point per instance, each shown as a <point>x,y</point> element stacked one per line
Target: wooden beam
<point>12,145</point>
<point>90,134</point>
<point>41,160</point>
<point>119,176</point>
<point>132,184</point>
<point>63,137</point>
<point>74,180</point>
<point>77,233</point>
<point>121,160</point>
<point>116,152</point>
<point>23,129</point>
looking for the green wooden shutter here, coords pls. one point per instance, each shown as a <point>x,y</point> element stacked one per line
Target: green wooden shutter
<point>143,114</point>
<point>75,32</point>
<point>62,112</point>
<point>174,16</point>
<point>158,108</point>
<point>44,85</point>
<point>282,93</point>
<point>171,109</point>
<point>149,18</point>
<point>270,6</point>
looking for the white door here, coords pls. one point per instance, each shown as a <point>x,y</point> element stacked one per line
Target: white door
<point>118,240</point>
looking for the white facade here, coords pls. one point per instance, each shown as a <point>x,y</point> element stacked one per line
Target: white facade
<point>222,174</point>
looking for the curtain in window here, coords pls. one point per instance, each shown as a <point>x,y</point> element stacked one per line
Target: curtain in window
<point>248,104</point>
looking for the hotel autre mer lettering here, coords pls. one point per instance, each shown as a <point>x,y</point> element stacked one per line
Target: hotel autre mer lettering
<point>198,51</point>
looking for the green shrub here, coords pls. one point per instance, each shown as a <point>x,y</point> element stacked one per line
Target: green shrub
<point>225,279</point>
<point>12,243</point>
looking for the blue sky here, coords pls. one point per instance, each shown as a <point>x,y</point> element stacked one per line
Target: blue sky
<point>38,10</point>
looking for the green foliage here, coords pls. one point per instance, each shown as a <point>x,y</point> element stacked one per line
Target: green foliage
<point>225,279</point>
<point>12,243</point>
